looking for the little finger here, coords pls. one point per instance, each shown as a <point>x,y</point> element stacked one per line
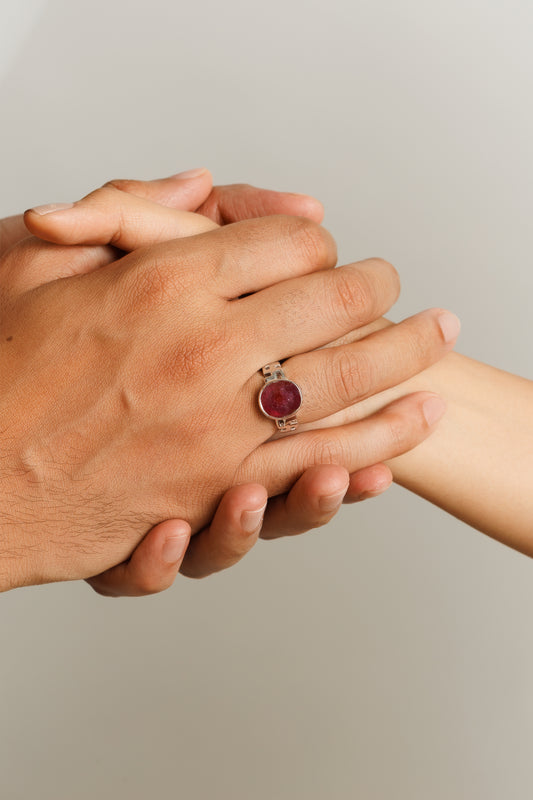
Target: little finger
<point>369,482</point>
<point>389,432</point>
<point>318,495</point>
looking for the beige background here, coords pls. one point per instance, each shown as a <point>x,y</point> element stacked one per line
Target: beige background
<point>388,656</point>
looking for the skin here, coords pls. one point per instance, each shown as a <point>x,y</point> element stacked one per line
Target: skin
<point>64,448</point>
<point>478,465</point>
<point>314,498</point>
<point>316,495</point>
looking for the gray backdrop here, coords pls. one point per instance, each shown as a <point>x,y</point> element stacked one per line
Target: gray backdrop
<point>388,656</point>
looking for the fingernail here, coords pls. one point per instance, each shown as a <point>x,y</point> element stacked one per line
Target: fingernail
<point>365,496</point>
<point>190,173</point>
<point>433,409</point>
<point>251,520</point>
<point>51,208</point>
<point>332,502</point>
<point>174,548</point>
<point>450,325</point>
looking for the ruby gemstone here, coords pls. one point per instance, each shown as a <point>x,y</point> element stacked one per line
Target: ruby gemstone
<point>280,399</point>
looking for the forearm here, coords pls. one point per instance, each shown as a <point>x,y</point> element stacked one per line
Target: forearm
<point>478,465</point>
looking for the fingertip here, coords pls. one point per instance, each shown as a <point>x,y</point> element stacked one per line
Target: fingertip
<point>433,409</point>
<point>34,221</point>
<point>330,504</point>
<point>174,536</point>
<point>449,324</point>
<point>252,519</point>
<point>369,482</point>
<point>190,174</point>
<point>309,207</point>
<point>48,223</point>
<point>334,482</point>
<point>174,548</point>
<point>323,480</point>
<point>247,496</point>
<point>381,482</point>
<point>247,504</point>
<point>49,208</point>
<point>174,527</point>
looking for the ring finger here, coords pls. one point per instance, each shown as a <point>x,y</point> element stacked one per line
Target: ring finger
<point>332,379</point>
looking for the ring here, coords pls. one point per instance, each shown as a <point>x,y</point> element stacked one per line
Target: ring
<point>280,398</point>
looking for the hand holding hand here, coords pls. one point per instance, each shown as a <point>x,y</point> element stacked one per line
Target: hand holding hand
<point>299,517</point>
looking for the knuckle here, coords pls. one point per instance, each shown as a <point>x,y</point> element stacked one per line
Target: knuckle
<point>102,196</point>
<point>398,433</point>
<point>421,342</point>
<point>324,450</point>
<point>122,184</point>
<point>351,377</point>
<point>389,275</point>
<point>352,295</point>
<point>312,242</point>
<point>120,225</point>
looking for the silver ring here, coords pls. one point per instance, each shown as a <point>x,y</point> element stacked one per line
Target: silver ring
<point>280,398</point>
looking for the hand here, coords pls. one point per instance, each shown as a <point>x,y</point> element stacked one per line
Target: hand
<point>162,321</point>
<point>298,518</point>
<point>316,496</point>
<point>188,191</point>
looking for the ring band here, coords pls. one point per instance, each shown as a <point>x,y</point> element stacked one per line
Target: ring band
<point>280,398</point>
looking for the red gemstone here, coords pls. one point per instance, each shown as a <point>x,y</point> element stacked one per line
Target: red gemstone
<point>280,399</point>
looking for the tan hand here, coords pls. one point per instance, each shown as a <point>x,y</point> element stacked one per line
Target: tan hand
<point>149,568</point>
<point>299,517</point>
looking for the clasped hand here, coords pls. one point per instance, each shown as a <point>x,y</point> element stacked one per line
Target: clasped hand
<point>138,375</point>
